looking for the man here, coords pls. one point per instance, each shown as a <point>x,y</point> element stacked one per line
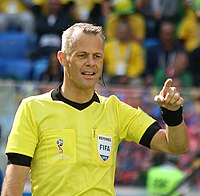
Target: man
<point>125,10</point>
<point>125,65</point>
<point>178,71</point>
<point>18,15</point>
<point>162,54</point>
<point>164,175</point>
<point>48,28</point>
<point>68,138</point>
<point>189,28</point>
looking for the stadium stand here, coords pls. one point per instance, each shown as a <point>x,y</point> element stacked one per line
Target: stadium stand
<point>18,69</point>
<point>14,61</point>
<point>14,44</point>
<point>131,160</point>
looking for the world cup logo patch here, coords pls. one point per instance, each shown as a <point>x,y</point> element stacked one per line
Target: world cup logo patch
<point>60,143</point>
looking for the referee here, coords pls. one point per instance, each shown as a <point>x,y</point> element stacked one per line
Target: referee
<point>68,138</point>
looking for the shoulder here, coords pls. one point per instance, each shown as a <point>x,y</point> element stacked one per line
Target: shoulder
<point>37,98</point>
<point>138,18</point>
<point>109,99</point>
<point>136,46</point>
<point>114,103</point>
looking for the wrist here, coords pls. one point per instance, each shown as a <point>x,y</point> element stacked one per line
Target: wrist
<point>172,118</point>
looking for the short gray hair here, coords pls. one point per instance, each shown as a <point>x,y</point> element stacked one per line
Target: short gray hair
<point>68,39</point>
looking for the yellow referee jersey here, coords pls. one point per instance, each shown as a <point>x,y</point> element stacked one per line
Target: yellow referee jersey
<point>74,151</point>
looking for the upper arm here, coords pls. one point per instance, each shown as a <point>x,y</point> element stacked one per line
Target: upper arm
<point>24,131</point>
<point>17,171</point>
<point>15,178</point>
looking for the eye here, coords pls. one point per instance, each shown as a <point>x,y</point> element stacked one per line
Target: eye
<point>98,56</point>
<point>82,55</point>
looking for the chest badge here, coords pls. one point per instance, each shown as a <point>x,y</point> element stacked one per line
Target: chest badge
<point>60,143</point>
<point>104,146</point>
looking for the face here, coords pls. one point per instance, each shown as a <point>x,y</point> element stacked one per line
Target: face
<point>83,66</point>
<point>124,32</point>
<point>53,6</point>
<point>167,32</point>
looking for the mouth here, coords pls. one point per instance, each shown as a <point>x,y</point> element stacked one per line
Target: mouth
<point>88,73</point>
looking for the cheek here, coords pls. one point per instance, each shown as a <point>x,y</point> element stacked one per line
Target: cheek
<point>68,69</point>
<point>74,69</point>
<point>100,65</point>
<point>71,70</point>
<point>102,68</point>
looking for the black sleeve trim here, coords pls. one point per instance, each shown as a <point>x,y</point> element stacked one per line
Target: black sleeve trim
<point>19,159</point>
<point>149,133</point>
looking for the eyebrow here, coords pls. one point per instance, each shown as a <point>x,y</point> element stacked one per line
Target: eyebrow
<point>100,53</point>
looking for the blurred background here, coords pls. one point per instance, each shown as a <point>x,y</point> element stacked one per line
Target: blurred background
<point>147,41</point>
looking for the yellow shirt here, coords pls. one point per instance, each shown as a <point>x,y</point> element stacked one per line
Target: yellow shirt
<point>83,6</point>
<point>189,31</point>
<point>130,53</point>
<point>74,151</point>
<point>137,22</point>
<point>12,6</point>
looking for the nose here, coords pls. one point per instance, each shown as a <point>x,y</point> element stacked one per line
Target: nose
<point>90,60</point>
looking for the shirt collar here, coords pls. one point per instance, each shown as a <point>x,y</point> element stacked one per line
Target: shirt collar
<point>57,96</point>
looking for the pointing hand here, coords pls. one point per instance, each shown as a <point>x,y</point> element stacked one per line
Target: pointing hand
<point>169,97</point>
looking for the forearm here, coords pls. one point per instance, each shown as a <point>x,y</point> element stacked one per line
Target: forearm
<point>177,138</point>
<point>176,130</point>
<point>11,187</point>
<point>14,180</point>
<point>174,138</point>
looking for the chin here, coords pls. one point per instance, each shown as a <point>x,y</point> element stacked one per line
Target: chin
<point>88,85</point>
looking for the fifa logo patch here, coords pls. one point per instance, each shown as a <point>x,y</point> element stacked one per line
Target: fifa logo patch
<point>104,146</point>
<point>60,143</point>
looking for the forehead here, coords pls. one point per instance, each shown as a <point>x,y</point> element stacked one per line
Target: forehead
<point>83,41</point>
<point>78,34</point>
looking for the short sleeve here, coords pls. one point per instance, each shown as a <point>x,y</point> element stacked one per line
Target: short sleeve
<point>23,137</point>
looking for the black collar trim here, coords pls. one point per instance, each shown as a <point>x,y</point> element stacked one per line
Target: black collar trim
<point>57,96</point>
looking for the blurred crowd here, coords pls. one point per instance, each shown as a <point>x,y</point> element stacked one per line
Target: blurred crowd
<point>134,161</point>
<point>147,41</point>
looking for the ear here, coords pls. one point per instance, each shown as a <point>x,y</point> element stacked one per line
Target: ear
<point>61,57</point>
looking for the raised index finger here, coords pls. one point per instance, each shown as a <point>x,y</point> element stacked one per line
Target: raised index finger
<point>166,87</point>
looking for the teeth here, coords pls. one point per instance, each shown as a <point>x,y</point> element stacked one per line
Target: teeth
<point>87,73</point>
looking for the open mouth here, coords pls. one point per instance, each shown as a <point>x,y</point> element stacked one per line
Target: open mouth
<point>88,73</point>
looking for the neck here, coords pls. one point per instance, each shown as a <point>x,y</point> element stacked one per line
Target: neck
<point>76,95</point>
